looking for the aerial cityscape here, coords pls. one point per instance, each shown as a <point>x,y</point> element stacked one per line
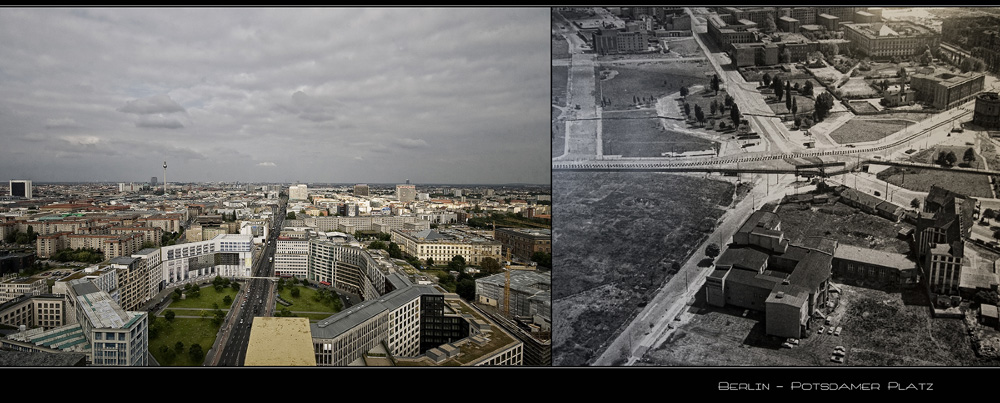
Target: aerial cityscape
<point>775,186</point>
<point>275,187</point>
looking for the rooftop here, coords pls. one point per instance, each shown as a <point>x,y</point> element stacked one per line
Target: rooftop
<point>280,342</point>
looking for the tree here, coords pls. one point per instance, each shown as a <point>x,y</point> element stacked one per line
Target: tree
<point>824,103</point>
<point>466,289</point>
<point>778,86</point>
<point>227,300</point>
<point>788,97</point>
<point>394,251</point>
<point>295,292</point>
<point>989,214</point>
<point>169,315</point>
<point>729,101</point>
<point>734,113</point>
<point>807,88</point>
<point>699,114</point>
<point>996,234</point>
<point>179,347</point>
<point>915,203</point>
<point>786,56</point>
<point>377,245</point>
<point>766,79</point>
<point>687,109</point>
<point>714,107</point>
<point>901,73</point>
<point>951,157</point>
<point>715,83</point>
<point>942,158</point>
<point>457,263</point>
<point>235,286</point>
<point>769,25</point>
<point>795,106</point>
<point>290,215</point>
<point>430,262</point>
<point>970,155</point>
<point>712,250</point>
<point>543,259</point>
<point>490,265</point>
<point>684,91</point>
<point>195,353</point>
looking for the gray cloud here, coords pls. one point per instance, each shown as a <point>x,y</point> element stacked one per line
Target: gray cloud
<point>155,104</point>
<point>312,91</point>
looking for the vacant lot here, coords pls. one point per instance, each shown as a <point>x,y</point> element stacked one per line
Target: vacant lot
<point>879,329</point>
<point>861,130</point>
<point>560,47</point>
<point>560,79</point>
<point>685,47</point>
<point>863,106</point>
<point>841,222</point>
<point>647,80</point>
<point>922,179</point>
<point>618,235</point>
<point>804,105</point>
<point>633,134</point>
<point>857,87</point>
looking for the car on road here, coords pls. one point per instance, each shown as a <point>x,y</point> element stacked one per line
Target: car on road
<point>837,332</point>
<point>839,348</point>
<point>821,329</point>
<point>839,360</point>
<point>793,341</point>
<point>786,345</point>
<point>839,353</point>
<point>829,330</point>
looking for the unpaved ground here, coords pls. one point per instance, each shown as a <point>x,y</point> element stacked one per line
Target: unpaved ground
<point>880,328</point>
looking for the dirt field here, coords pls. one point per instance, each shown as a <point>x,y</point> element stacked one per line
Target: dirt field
<point>618,235</point>
<point>647,80</point>
<point>843,223</point>
<point>861,130</point>
<point>627,134</point>
<point>560,47</point>
<point>857,87</point>
<point>560,80</point>
<point>685,47</point>
<point>922,179</point>
<point>879,328</point>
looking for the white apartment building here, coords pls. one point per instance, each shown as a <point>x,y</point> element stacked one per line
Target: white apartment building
<point>227,255</point>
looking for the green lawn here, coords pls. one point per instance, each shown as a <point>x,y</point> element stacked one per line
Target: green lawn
<point>207,298</point>
<point>306,302</point>
<point>187,331</point>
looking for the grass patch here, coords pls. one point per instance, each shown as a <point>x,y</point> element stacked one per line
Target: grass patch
<point>646,222</point>
<point>648,80</point>
<point>208,297</point>
<point>560,47</point>
<point>187,331</point>
<point>635,136</point>
<point>922,179</point>
<point>560,81</point>
<point>861,130</point>
<point>305,302</point>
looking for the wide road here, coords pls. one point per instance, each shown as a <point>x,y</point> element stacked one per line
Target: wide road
<point>255,299</point>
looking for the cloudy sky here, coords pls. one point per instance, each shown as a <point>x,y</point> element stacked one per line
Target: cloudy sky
<point>269,95</point>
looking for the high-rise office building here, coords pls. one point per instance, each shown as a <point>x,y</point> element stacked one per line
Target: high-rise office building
<point>298,192</point>
<point>152,182</point>
<point>406,193</point>
<point>20,188</point>
<point>361,189</point>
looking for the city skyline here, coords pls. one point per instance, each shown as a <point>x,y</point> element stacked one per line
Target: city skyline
<point>275,95</point>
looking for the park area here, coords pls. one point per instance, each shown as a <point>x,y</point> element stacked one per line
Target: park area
<point>621,234</point>
<point>921,180</point>
<point>641,134</point>
<point>879,328</point>
<point>625,82</point>
<point>186,323</point>
<point>308,302</point>
<point>862,130</point>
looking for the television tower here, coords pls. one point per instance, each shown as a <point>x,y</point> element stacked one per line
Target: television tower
<point>164,178</point>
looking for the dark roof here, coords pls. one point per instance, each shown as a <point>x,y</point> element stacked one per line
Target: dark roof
<point>812,271</point>
<point>41,359</point>
<point>753,279</point>
<point>744,258</point>
<point>765,219</point>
